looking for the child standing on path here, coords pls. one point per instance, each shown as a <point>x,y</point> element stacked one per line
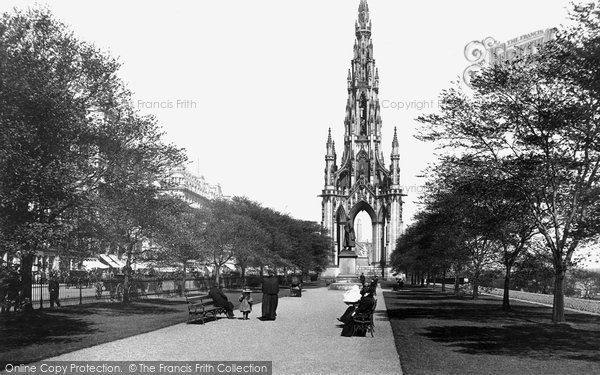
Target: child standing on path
<point>246,303</point>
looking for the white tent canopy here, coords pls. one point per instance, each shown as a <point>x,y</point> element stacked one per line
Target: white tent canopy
<point>231,267</point>
<point>117,260</point>
<point>93,263</point>
<point>109,261</point>
<point>139,265</point>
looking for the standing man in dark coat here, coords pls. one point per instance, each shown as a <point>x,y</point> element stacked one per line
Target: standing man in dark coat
<point>54,289</point>
<point>221,300</point>
<point>270,289</point>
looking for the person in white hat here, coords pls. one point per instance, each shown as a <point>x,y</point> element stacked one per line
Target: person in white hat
<point>246,303</point>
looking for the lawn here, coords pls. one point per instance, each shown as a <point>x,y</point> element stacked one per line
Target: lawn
<point>30,337</point>
<point>439,333</point>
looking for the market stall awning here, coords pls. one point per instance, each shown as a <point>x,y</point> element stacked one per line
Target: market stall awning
<point>93,264</point>
<point>166,269</point>
<point>230,266</point>
<point>141,265</point>
<point>117,260</point>
<point>108,261</point>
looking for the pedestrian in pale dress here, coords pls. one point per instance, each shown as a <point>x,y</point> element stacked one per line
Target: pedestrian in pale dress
<point>246,303</point>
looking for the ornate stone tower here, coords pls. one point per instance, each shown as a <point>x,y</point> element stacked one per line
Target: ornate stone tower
<point>361,181</point>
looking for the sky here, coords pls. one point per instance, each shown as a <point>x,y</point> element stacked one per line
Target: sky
<point>250,88</point>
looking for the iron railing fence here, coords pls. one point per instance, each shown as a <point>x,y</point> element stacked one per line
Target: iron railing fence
<point>113,289</point>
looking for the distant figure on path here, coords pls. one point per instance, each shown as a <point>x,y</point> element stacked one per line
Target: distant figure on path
<point>246,303</point>
<point>296,287</point>
<point>54,289</point>
<point>362,279</point>
<point>221,300</point>
<point>373,284</point>
<point>270,289</point>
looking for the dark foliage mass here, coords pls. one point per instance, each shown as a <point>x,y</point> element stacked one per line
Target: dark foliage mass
<point>518,175</point>
<point>82,172</point>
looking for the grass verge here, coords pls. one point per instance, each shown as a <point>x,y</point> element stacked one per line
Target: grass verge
<point>439,333</point>
<point>41,334</point>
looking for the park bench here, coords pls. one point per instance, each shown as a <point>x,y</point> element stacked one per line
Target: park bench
<point>364,321</point>
<point>202,306</point>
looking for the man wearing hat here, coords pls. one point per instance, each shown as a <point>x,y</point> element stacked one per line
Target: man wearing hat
<point>270,289</point>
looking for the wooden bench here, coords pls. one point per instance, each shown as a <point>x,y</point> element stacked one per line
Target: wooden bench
<point>202,306</point>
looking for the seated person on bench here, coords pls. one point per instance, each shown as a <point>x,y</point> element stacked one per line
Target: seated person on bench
<point>364,305</point>
<point>221,300</point>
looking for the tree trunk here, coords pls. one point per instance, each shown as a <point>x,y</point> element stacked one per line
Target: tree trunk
<point>476,286</point>
<point>26,281</point>
<point>506,299</point>
<point>558,307</point>
<point>184,278</point>
<point>217,274</point>
<point>126,271</point>
<point>455,282</point>
<point>444,281</point>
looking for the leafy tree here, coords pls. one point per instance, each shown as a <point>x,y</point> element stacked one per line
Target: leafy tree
<point>70,138</point>
<point>50,83</point>
<point>427,246</point>
<point>280,240</point>
<point>536,121</point>
<point>309,246</point>
<point>534,271</point>
<point>509,222</point>
<point>587,281</point>
<point>226,232</point>
<point>178,232</point>
<point>463,201</point>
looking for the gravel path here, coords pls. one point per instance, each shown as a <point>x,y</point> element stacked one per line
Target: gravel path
<point>305,339</point>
